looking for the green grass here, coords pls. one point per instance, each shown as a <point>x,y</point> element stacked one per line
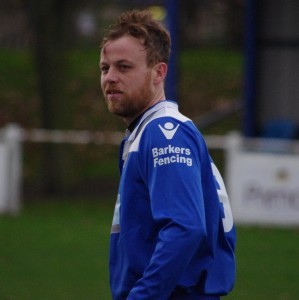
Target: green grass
<point>268,264</point>
<point>57,249</point>
<point>209,78</point>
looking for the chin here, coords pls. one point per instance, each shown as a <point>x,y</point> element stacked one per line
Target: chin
<point>116,112</point>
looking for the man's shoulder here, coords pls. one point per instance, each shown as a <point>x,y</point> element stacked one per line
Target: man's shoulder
<point>165,114</point>
<point>163,122</point>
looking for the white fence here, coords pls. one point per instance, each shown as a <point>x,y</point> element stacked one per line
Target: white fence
<point>11,138</point>
<point>10,169</point>
<point>262,175</point>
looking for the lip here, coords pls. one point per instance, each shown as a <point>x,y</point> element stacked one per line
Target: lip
<point>113,93</point>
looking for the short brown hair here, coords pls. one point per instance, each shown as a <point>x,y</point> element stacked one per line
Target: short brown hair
<point>141,25</point>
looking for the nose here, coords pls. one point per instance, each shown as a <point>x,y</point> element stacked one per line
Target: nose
<point>111,76</point>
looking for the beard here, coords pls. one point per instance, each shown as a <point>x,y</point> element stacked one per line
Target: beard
<point>130,106</point>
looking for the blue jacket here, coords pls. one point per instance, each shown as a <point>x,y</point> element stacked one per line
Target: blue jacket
<point>172,227</point>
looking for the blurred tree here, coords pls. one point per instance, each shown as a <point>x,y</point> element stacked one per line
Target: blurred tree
<point>50,20</point>
<point>211,23</point>
<point>235,22</point>
<point>188,18</point>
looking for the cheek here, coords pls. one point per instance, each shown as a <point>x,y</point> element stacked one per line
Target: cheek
<point>102,82</point>
<point>144,80</point>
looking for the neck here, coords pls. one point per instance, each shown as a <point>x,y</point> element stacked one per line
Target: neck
<point>159,97</point>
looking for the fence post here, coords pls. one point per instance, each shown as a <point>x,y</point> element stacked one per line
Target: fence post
<point>10,169</point>
<point>232,151</point>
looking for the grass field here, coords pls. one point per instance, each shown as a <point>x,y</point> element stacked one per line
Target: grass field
<point>57,249</point>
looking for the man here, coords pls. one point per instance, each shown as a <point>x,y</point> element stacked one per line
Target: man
<point>172,234</point>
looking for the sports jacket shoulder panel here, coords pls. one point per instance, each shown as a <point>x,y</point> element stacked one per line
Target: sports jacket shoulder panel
<point>161,109</point>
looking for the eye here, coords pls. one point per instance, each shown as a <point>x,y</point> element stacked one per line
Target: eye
<point>104,69</point>
<point>124,67</point>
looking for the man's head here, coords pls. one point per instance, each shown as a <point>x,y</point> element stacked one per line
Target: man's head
<point>133,63</point>
<point>142,26</point>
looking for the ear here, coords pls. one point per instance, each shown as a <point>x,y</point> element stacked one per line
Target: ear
<point>160,71</point>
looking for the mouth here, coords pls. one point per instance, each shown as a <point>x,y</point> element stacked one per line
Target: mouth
<point>113,92</point>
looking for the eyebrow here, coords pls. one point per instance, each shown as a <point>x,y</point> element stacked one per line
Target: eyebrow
<point>124,61</point>
<point>118,62</point>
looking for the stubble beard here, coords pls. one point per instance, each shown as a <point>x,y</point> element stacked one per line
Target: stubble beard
<point>131,106</point>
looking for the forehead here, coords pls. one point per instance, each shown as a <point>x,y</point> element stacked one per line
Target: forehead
<point>123,48</point>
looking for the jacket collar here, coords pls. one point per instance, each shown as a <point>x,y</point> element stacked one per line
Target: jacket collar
<point>159,105</point>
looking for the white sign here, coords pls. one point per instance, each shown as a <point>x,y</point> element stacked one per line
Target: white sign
<point>264,187</point>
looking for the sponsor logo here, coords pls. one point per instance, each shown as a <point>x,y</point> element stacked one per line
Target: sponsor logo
<point>272,198</point>
<point>169,130</point>
<point>171,155</point>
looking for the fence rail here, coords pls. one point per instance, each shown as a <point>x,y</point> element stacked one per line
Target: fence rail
<point>71,136</point>
<point>262,174</point>
<point>13,136</point>
<point>115,137</point>
<point>96,137</point>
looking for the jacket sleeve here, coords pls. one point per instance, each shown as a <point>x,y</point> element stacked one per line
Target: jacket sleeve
<point>170,160</point>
